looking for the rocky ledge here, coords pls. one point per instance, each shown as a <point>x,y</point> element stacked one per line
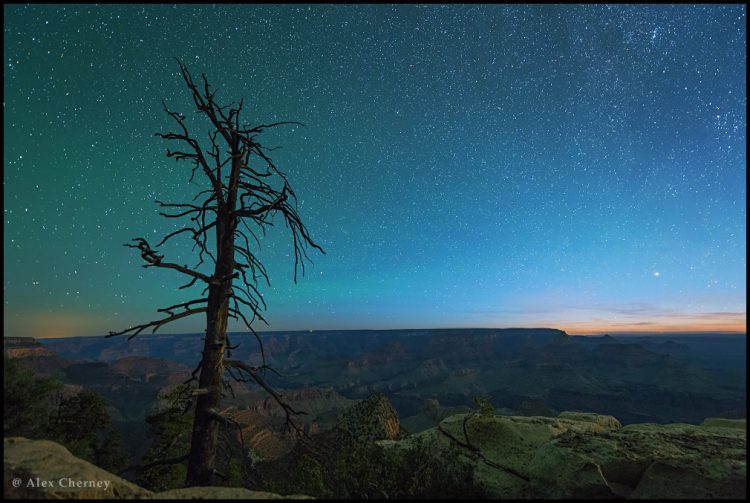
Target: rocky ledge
<point>41,469</point>
<point>574,455</point>
<point>582,455</point>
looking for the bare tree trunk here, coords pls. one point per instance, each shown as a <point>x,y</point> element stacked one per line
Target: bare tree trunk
<point>205,428</point>
<point>204,445</point>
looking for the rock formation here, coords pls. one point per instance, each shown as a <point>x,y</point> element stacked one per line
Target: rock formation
<point>573,455</point>
<point>372,419</point>
<point>34,354</point>
<point>582,455</point>
<point>46,470</point>
<point>28,465</point>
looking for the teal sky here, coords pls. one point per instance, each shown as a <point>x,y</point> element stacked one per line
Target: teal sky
<point>576,167</point>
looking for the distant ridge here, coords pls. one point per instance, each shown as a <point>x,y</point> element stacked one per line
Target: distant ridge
<point>407,331</point>
<point>507,330</point>
<point>429,372</point>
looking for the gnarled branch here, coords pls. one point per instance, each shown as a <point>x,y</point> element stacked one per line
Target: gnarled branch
<point>157,324</point>
<point>289,411</point>
<point>153,259</point>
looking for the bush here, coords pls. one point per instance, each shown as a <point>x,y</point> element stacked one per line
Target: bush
<point>364,470</point>
<point>170,430</point>
<point>28,401</point>
<point>80,422</point>
<point>485,406</point>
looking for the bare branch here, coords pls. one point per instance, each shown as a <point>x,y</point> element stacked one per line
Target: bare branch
<point>155,260</point>
<point>158,323</point>
<point>197,155</point>
<point>289,411</point>
<point>259,129</point>
<point>184,304</point>
<point>172,234</point>
<point>262,209</point>
<point>188,285</point>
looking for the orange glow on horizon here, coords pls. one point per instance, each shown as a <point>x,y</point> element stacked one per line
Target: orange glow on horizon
<point>54,325</point>
<point>592,328</point>
<point>46,325</point>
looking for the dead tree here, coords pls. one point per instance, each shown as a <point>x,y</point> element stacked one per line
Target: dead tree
<point>245,191</point>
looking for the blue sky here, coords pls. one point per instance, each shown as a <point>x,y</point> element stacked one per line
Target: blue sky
<point>577,167</point>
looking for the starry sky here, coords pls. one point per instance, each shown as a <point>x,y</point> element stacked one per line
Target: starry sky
<point>577,167</point>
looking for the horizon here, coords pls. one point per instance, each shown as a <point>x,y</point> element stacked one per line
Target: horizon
<point>43,325</point>
<point>271,332</point>
<point>460,166</point>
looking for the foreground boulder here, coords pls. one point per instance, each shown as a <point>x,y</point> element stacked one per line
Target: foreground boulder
<point>581,455</point>
<point>47,470</point>
<point>647,461</point>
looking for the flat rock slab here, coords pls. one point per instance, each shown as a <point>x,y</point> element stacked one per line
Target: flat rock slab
<point>584,455</point>
<point>47,470</point>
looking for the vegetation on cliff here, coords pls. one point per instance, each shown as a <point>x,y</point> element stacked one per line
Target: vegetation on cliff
<point>39,408</point>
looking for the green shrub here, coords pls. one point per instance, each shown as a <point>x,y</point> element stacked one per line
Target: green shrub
<point>365,470</point>
<point>485,406</point>
<point>28,401</point>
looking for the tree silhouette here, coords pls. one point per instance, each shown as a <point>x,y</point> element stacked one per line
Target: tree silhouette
<point>245,190</point>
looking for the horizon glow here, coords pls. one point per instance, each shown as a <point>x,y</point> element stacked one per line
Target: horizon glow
<point>580,167</point>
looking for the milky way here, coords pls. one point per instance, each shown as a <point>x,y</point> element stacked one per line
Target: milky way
<point>578,167</point>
